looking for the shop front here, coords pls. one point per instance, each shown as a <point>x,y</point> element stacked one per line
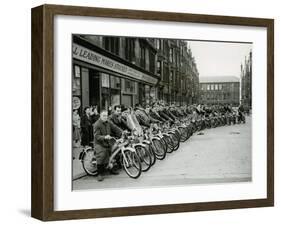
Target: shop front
<point>104,82</point>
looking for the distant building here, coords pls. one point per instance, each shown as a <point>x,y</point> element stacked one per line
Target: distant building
<point>246,82</point>
<point>219,90</point>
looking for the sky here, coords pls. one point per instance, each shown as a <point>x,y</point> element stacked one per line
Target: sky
<point>219,58</point>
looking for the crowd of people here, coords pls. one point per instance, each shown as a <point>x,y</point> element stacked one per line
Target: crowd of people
<point>98,128</point>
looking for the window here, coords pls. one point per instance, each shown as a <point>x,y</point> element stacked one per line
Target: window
<point>128,86</point>
<point>112,44</point>
<point>76,88</point>
<point>208,87</point>
<point>105,80</point>
<point>158,43</point>
<point>77,71</point>
<point>220,86</point>
<point>115,82</point>
<point>115,90</point>
<point>159,68</point>
<point>166,73</point>
<point>171,54</point>
<point>171,77</point>
<point>130,49</point>
<point>216,86</point>
<point>151,62</point>
<point>212,87</point>
<point>142,60</point>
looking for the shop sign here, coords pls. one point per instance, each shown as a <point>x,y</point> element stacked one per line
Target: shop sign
<point>94,58</point>
<point>76,103</point>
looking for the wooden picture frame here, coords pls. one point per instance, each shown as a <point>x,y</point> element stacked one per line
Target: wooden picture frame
<point>42,203</point>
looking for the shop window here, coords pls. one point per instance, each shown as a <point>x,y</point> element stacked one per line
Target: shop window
<point>147,94</point>
<point>141,94</point>
<point>115,82</point>
<point>129,86</point>
<point>105,80</point>
<point>115,90</point>
<point>76,87</point>
<point>105,91</point>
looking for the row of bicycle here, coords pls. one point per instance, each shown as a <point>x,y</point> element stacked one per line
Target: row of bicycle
<point>138,152</point>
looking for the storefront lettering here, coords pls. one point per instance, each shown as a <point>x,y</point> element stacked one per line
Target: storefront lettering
<point>121,67</point>
<point>107,62</point>
<point>91,57</point>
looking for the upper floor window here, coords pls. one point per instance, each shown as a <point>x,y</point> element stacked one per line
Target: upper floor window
<point>171,55</point>
<point>112,44</point>
<point>159,68</point>
<point>130,49</point>
<point>152,62</point>
<point>142,59</point>
<point>158,43</point>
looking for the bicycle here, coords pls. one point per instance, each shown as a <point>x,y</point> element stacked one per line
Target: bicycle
<point>129,159</point>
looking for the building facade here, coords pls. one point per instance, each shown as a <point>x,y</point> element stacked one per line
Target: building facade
<point>246,82</point>
<point>109,71</point>
<point>220,90</point>
<point>176,67</point>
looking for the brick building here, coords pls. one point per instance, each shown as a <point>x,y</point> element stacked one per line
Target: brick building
<point>220,90</point>
<point>111,70</point>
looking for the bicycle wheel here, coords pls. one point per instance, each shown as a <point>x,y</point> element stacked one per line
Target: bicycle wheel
<point>169,143</point>
<point>152,154</point>
<point>164,144</point>
<point>144,155</point>
<point>183,134</point>
<point>189,131</point>
<point>176,141</point>
<point>158,149</point>
<point>131,163</point>
<point>89,162</point>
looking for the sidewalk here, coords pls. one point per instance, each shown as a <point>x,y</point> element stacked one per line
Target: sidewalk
<point>77,169</point>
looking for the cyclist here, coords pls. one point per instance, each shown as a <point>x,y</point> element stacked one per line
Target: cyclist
<point>117,118</point>
<point>103,132</point>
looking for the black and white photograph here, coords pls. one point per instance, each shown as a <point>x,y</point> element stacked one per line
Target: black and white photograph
<point>158,112</point>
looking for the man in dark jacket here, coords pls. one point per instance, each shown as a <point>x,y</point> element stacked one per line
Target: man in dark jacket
<point>143,117</point>
<point>87,126</point>
<point>117,118</point>
<point>154,114</point>
<point>103,132</point>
